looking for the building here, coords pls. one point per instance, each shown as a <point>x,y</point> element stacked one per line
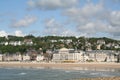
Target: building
<point>100,42</point>
<point>28,42</point>
<point>101,55</point>
<point>1,57</point>
<point>26,57</point>
<point>98,47</point>
<point>39,58</point>
<point>65,54</point>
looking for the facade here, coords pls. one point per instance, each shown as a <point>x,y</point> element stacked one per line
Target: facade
<point>100,42</point>
<point>1,57</point>
<point>28,42</point>
<point>65,54</point>
<point>26,57</point>
<point>11,57</point>
<point>101,55</point>
<point>39,58</point>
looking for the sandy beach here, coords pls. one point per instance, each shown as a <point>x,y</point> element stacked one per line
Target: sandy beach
<point>82,66</point>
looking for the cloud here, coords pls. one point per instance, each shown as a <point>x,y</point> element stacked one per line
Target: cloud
<point>55,28</point>
<point>15,33</point>
<point>52,27</point>
<point>88,11</point>
<point>26,21</point>
<point>19,33</point>
<point>91,19</point>
<point>87,19</point>
<point>114,18</point>
<point>51,4</point>
<point>3,33</point>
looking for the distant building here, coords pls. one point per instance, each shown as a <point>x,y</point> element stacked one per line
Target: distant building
<point>26,57</point>
<point>1,57</point>
<point>101,55</point>
<point>28,42</point>
<point>100,42</point>
<point>39,58</point>
<point>98,47</point>
<point>65,54</point>
<point>53,41</point>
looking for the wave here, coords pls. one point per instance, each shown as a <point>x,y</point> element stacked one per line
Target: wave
<point>22,73</point>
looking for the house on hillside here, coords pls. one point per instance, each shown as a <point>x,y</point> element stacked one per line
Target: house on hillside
<point>53,41</point>
<point>28,42</point>
<point>101,42</point>
<point>15,43</point>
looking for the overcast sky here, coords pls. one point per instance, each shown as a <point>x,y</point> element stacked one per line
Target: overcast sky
<point>90,18</point>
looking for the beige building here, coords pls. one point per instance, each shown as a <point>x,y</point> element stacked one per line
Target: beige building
<point>65,54</point>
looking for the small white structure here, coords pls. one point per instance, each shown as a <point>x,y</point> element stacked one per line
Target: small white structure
<point>1,57</point>
<point>39,58</point>
<point>26,57</point>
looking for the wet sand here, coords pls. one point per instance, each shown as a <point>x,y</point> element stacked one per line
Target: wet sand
<point>112,78</point>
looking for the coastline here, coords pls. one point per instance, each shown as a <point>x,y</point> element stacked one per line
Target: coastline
<point>102,78</point>
<point>71,66</point>
<point>79,66</point>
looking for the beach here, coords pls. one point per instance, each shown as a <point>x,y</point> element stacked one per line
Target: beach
<point>62,65</point>
<point>69,66</point>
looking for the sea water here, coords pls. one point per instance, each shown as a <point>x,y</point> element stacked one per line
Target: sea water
<point>53,74</point>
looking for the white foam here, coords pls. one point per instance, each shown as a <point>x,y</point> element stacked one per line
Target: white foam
<point>22,73</point>
<point>94,73</point>
<point>67,71</point>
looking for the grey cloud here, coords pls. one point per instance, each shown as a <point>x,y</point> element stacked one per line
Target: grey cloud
<point>94,18</point>
<point>114,18</point>
<point>26,21</point>
<point>52,27</point>
<point>51,4</point>
<point>115,31</point>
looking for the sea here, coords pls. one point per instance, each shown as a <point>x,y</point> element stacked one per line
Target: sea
<point>22,73</point>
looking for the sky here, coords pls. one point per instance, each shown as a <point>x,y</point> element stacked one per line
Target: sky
<point>89,18</point>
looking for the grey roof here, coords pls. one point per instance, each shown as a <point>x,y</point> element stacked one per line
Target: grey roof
<point>100,51</point>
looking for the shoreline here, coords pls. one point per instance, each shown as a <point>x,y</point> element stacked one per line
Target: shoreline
<point>79,66</point>
<point>68,66</point>
<point>100,78</point>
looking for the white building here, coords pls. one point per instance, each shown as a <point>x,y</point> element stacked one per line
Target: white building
<point>65,54</point>
<point>100,42</point>
<point>101,55</point>
<point>39,58</point>
<point>26,57</point>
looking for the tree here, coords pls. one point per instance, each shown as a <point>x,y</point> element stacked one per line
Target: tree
<point>22,50</point>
